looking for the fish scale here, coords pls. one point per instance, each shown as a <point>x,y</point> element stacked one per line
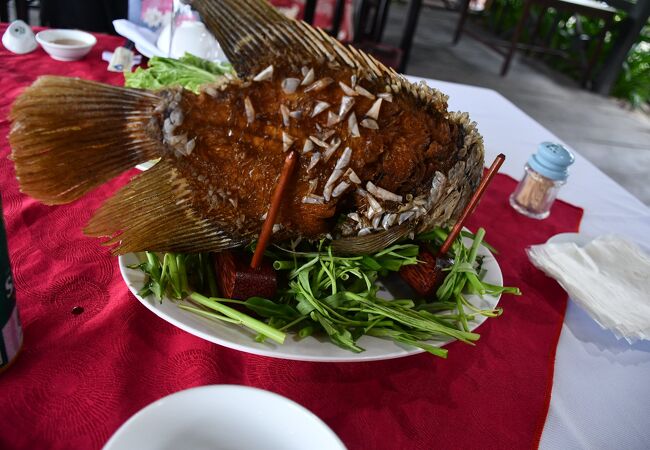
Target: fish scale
<point>380,157</point>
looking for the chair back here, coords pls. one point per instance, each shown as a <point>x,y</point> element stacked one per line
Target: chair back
<point>370,20</point>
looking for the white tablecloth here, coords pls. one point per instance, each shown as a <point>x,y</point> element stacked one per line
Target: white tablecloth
<point>601,386</point>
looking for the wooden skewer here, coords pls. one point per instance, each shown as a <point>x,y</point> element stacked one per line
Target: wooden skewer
<point>425,277</point>
<point>276,200</point>
<point>469,209</point>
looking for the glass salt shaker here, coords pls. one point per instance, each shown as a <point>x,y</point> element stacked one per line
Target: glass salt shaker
<point>545,172</point>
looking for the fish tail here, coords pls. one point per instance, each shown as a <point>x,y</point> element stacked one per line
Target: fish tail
<point>70,135</point>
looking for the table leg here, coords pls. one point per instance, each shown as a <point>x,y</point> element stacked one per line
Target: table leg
<point>337,18</point>
<point>409,32</point>
<point>382,14</point>
<point>464,11</point>
<point>586,76</point>
<point>547,40</point>
<point>4,10</point>
<point>515,37</point>
<point>22,10</point>
<point>308,11</point>
<point>538,25</point>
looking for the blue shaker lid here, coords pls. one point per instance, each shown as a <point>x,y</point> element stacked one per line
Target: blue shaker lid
<point>551,161</point>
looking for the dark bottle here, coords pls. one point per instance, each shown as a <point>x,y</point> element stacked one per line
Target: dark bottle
<point>11,335</point>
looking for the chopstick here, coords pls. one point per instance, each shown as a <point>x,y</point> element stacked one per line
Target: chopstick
<point>267,227</point>
<point>471,205</point>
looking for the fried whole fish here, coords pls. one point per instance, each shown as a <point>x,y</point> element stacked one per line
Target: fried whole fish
<point>379,157</point>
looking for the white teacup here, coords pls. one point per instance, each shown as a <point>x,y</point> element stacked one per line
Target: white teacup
<point>19,38</point>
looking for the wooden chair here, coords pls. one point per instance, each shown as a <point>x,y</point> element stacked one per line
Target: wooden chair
<point>369,29</point>
<point>369,23</point>
<point>587,8</point>
<point>310,10</point>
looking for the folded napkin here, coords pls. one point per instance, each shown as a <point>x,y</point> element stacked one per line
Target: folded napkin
<point>609,278</point>
<point>143,37</point>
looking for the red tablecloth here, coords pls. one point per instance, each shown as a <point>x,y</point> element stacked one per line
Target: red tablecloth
<point>79,377</point>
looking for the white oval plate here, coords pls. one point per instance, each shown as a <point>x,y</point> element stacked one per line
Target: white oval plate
<point>224,417</point>
<point>308,349</point>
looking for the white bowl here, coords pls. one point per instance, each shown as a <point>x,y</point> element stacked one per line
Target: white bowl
<point>224,417</point>
<point>66,45</point>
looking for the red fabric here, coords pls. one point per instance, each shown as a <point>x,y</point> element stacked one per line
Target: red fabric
<point>79,377</point>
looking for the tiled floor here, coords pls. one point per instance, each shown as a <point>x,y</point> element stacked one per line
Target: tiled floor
<point>614,139</point>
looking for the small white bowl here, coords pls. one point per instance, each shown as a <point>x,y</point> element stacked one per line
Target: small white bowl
<point>224,417</point>
<point>66,45</point>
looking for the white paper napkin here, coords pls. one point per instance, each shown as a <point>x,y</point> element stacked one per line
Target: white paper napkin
<point>609,278</point>
<point>143,37</point>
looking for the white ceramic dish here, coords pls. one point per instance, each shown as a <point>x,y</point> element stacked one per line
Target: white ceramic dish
<point>308,349</point>
<point>224,417</point>
<point>72,45</point>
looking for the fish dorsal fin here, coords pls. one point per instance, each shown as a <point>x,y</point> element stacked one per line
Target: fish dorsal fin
<point>153,212</point>
<point>254,35</point>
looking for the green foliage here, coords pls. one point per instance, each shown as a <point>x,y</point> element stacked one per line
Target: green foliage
<point>633,83</point>
<point>335,295</point>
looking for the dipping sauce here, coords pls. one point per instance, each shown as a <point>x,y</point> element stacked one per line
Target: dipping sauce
<point>67,42</point>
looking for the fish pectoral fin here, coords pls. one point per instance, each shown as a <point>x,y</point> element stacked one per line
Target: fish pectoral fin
<point>70,135</point>
<point>370,243</point>
<point>153,212</point>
